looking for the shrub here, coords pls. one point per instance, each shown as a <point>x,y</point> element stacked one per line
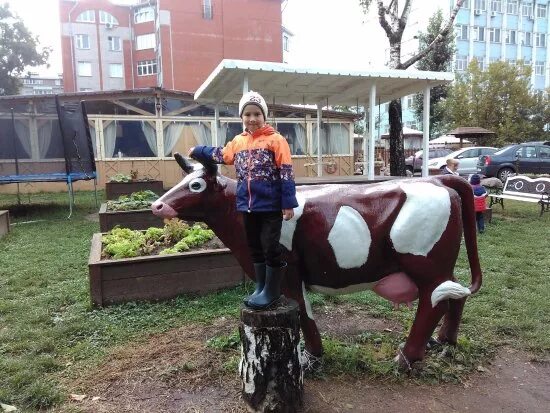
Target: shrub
<point>134,201</point>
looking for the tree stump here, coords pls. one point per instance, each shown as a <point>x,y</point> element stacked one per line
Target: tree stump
<point>270,369</point>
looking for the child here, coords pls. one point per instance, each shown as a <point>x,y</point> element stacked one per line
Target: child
<point>265,187</point>
<point>479,201</point>
<point>451,168</point>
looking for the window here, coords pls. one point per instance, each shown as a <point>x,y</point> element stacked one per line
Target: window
<point>493,60</point>
<point>544,152</point>
<point>58,82</point>
<point>42,90</point>
<point>207,9</point>
<point>145,41</point>
<point>480,62</point>
<point>539,68</point>
<point>85,89</point>
<point>510,37</point>
<point>409,101</point>
<point>494,35</point>
<point>147,67</point>
<point>527,39</point>
<point>461,32</point>
<point>511,62</point>
<point>115,44</point>
<point>87,16</point>
<point>82,41</point>
<point>115,70</point>
<point>335,139</point>
<point>479,33</point>
<point>526,9</point>
<point>107,18</point>
<point>541,11</point>
<point>144,14</point>
<point>480,5</point>
<point>132,139</point>
<point>33,81</point>
<point>285,43</point>
<point>540,40</point>
<point>526,62</point>
<point>84,69</point>
<point>512,7</point>
<point>466,4</point>
<point>461,63</point>
<point>496,6</point>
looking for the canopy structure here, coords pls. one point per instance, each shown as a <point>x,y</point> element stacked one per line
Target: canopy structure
<point>282,83</point>
<point>407,133</point>
<point>474,133</point>
<point>448,140</point>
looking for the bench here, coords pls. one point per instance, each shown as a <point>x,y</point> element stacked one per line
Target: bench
<point>523,188</point>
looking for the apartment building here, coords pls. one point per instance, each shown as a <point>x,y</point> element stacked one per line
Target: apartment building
<point>174,44</point>
<point>33,84</point>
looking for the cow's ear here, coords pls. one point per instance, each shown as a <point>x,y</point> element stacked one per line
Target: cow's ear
<point>182,162</point>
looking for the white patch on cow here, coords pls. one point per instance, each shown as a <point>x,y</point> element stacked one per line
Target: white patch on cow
<point>422,218</point>
<point>288,227</point>
<point>309,312</point>
<point>350,289</point>
<point>449,289</point>
<point>350,238</point>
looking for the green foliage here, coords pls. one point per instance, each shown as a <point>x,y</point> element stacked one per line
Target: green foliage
<point>499,99</point>
<point>18,48</point>
<point>439,59</point>
<point>176,236</point>
<point>120,177</point>
<point>135,201</point>
<point>225,342</point>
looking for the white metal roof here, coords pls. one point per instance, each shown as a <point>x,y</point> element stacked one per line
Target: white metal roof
<point>282,83</point>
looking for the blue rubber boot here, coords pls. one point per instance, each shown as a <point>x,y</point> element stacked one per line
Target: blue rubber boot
<point>272,288</point>
<point>259,270</point>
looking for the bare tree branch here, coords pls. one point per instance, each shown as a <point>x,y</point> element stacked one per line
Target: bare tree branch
<point>382,18</point>
<point>405,15</point>
<point>437,39</point>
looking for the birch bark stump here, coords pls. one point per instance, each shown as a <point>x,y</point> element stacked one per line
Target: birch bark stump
<point>270,370</point>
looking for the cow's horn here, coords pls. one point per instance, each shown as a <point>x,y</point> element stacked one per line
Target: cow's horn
<point>182,162</point>
<point>210,167</point>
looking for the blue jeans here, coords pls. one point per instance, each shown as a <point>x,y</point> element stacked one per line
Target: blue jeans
<point>480,221</point>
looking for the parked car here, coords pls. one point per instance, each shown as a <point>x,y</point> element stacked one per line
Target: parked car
<point>414,162</point>
<point>528,157</point>
<point>468,158</point>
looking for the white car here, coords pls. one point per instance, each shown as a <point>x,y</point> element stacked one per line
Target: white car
<point>467,158</point>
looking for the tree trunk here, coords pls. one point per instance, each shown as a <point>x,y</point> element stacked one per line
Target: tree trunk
<point>397,151</point>
<point>270,369</point>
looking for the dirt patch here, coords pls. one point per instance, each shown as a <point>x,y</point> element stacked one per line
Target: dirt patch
<point>93,217</point>
<point>177,372</point>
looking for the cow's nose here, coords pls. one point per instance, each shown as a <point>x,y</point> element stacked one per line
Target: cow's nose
<point>163,210</point>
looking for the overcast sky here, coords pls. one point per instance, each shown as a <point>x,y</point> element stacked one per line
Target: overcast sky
<point>327,33</point>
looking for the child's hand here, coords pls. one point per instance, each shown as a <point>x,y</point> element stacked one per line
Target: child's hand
<point>190,151</point>
<point>288,214</point>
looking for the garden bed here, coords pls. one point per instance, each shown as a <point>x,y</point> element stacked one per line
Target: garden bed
<point>136,219</point>
<point>4,222</point>
<point>160,277</point>
<point>115,189</point>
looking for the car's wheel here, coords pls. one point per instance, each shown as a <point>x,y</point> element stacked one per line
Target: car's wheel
<point>504,173</point>
<point>409,168</point>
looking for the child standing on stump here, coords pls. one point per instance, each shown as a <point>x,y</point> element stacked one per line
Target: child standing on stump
<point>480,193</point>
<point>266,193</point>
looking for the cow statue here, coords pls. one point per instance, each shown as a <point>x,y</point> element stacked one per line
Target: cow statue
<point>399,238</point>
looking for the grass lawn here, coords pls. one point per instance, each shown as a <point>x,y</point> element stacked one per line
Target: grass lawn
<point>49,333</point>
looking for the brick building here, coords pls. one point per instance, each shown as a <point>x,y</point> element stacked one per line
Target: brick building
<point>173,44</point>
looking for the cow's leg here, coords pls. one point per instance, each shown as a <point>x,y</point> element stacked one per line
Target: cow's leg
<point>448,332</point>
<point>424,324</point>
<point>293,289</point>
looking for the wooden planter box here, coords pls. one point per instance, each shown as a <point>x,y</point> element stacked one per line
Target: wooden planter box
<point>114,189</point>
<point>4,222</point>
<point>137,219</point>
<point>159,277</point>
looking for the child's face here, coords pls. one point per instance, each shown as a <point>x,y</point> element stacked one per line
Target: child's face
<point>252,117</point>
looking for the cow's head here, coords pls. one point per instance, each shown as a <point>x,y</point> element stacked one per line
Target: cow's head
<point>193,196</point>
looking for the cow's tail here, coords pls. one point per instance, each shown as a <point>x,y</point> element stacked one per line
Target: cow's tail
<point>466,194</point>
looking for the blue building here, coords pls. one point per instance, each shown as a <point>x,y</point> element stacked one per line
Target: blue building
<point>493,30</point>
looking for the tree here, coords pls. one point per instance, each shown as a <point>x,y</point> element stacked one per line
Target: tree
<point>18,49</point>
<point>394,29</point>
<point>439,59</point>
<point>499,99</point>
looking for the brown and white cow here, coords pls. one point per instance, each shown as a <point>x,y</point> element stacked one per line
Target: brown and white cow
<point>400,238</point>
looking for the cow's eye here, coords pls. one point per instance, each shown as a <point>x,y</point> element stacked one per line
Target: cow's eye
<point>197,185</point>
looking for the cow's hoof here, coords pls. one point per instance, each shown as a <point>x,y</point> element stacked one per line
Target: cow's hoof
<point>433,343</point>
<point>311,364</point>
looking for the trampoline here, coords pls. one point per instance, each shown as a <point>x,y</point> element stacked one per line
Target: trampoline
<point>63,152</point>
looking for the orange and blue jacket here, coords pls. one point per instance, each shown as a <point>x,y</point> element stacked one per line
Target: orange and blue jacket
<point>265,180</point>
